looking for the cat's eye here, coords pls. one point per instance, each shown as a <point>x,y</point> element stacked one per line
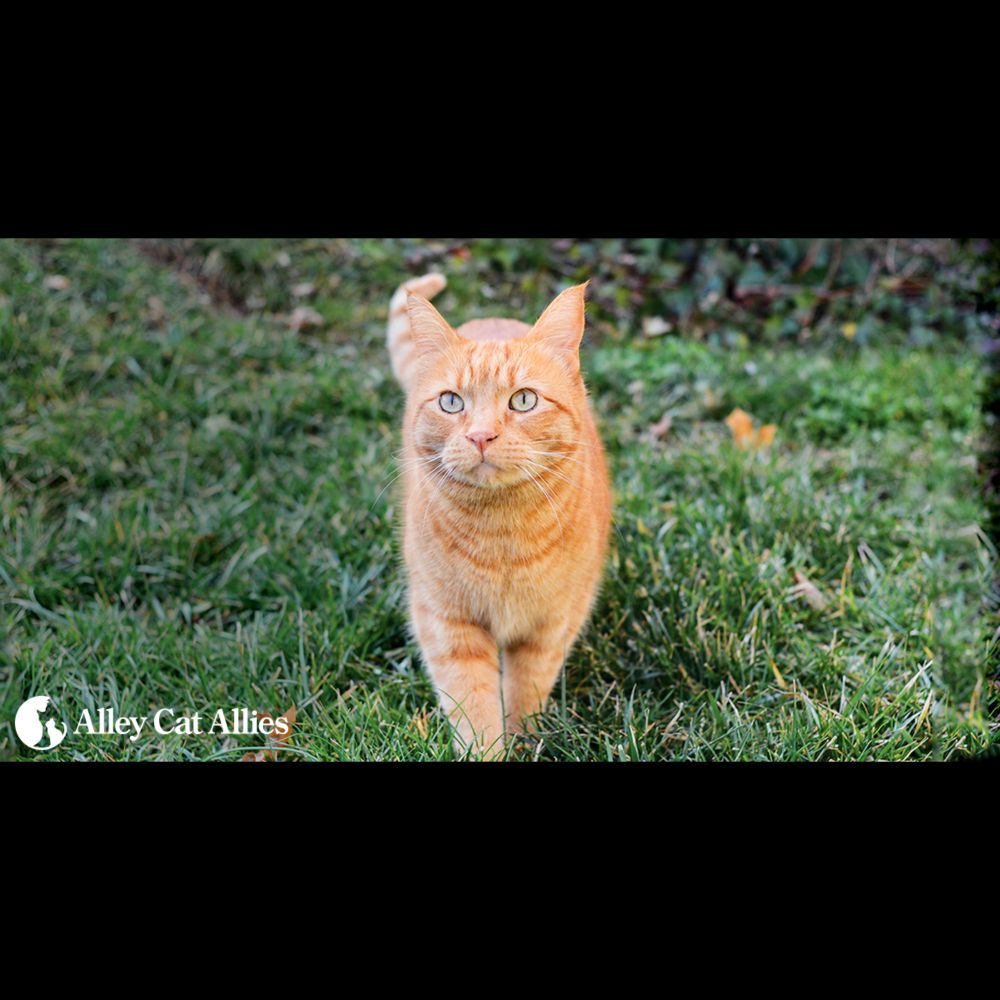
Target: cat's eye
<point>523,400</point>
<point>451,402</point>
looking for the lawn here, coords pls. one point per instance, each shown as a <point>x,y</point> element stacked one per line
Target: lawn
<point>197,511</point>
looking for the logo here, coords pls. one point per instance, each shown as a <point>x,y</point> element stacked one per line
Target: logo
<point>37,725</point>
<point>32,731</point>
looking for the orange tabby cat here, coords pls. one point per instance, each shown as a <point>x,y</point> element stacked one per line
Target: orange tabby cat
<point>507,505</point>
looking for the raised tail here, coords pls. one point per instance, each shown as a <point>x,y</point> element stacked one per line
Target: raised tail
<point>399,337</point>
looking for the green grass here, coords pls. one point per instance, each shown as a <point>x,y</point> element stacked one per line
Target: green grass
<point>191,516</point>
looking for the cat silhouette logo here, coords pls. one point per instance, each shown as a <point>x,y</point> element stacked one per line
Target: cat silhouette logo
<point>29,727</point>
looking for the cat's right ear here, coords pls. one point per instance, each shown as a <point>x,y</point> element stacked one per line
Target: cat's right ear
<point>561,326</point>
<point>430,330</point>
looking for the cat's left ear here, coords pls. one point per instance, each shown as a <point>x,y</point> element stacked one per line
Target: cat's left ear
<point>561,326</point>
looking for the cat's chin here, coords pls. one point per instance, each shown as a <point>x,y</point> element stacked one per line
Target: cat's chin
<point>488,476</point>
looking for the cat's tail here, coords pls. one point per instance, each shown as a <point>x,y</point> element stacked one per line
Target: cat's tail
<point>399,337</point>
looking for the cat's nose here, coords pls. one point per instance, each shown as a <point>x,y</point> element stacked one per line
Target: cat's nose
<point>481,439</point>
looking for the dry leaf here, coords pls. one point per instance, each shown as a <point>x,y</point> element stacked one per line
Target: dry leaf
<point>765,435</point>
<point>303,290</point>
<point>655,326</point>
<point>303,317</point>
<point>420,722</point>
<point>289,717</point>
<point>707,396</point>
<point>740,423</point>
<point>156,309</point>
<point>56,283</point>
<point>662,426</point>
<point>808,591</point>
<point>849,330</point>
<point>782,683</point>
<point>275,741</point>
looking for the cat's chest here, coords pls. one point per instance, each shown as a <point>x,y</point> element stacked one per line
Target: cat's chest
<point>490,552</point>
<point>503,569</point>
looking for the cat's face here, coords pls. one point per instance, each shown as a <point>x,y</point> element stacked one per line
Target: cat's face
<point>491,413</point>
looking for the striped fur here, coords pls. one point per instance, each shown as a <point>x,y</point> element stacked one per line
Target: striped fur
<point>506,514</point>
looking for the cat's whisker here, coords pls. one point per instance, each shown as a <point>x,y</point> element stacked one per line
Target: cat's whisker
<point>430,493</point>
<point>614,514</point>
<point>399,459</point>
<point>564,441</point>
<point>378,495</point>
<point>554,472</point>
<point>404,466</point>
<point>437,478</point>
<point>565,456</point>
<point>548,496</point>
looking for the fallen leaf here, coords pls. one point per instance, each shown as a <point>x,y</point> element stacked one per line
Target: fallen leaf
<point>707,396</point>
<point>56,282</point>
<point>217,423</point>
<point>303,317</point>
<point>655,326</point>
<point>275,741</point>
<point>765,435</point>
<point>303,290</point>
<point>156,309</point>
<point>662,426</point>
<point>808,591</point>
<point>740,424</point>
<point>282,741</point>
<point>849,330</point>
<point>782,683</point>
<point>420,722</point>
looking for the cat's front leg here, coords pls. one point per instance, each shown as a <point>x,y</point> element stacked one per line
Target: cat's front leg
<point>463,663</point>
<point>530,670</point>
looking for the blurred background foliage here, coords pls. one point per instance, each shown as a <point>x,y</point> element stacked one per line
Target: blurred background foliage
<point>725,291</point>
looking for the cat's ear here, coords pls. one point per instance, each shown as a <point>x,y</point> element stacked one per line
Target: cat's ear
<point>430,330</point>
<point>561,326</point>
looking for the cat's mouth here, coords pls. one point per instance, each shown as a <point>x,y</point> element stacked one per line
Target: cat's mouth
<point>486,474</point>
<point>485,471</point>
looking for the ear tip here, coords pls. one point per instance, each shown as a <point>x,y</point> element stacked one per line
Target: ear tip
<point>581,293</point>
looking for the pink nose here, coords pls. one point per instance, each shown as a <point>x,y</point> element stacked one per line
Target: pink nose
<point>481,439</point>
